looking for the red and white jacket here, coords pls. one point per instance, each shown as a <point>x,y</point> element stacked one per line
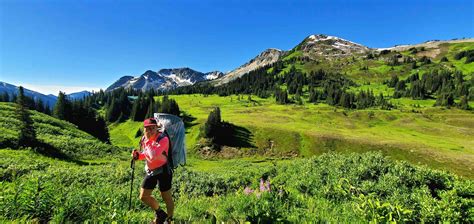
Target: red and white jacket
<point>152,151</point>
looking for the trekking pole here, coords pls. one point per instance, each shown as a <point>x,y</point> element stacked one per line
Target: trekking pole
<point>132,166</point>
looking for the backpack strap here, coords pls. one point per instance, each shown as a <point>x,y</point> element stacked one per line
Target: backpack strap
<point>162,135</point>
<point>169,154</point>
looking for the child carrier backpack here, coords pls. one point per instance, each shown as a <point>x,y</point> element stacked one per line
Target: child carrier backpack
<point>173,127</point>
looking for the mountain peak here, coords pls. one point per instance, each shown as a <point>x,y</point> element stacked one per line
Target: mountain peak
<point>318,45</point>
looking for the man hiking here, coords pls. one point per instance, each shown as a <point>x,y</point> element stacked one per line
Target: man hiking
<point>155,146</point>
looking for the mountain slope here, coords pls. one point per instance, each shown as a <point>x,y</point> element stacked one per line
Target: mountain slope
<point>49,99</point>
<point>375,65</point>
<point>78,95</point>
<point>119,83</point>
<point>13,90</point>
<point>267,57</point>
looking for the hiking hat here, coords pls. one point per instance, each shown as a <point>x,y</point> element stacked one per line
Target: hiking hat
<point>149,122</point>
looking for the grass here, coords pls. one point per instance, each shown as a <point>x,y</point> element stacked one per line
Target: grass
<point>436,137</point>
<point>460,64</point>
<point>329,188</point>
<point>123,134</point>
<point>57,137</point>
<point>293,54</point>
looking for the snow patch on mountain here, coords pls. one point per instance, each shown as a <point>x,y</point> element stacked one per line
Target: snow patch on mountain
<point>330,46</point>
<point>164,79</point>
<point>180,81</point>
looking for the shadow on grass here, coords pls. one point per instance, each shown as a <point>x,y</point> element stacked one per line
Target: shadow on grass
<point>48,150</point>
<point>188,120</point>
<point>234,136</point>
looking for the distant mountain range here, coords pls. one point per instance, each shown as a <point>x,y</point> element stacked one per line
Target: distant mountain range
<point>314,47</point>
<point>49,100</point>
<point>164,79</point>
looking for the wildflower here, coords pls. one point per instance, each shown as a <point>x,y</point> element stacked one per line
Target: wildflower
<point>264,185</point>
<point>248,190</point>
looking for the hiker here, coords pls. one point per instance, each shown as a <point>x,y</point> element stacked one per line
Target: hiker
<point>155,148</point>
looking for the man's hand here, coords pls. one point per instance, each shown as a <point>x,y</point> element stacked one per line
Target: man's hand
<point>135,154</point>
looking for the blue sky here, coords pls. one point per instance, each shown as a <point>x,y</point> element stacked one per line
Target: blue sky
<point>74,45</point>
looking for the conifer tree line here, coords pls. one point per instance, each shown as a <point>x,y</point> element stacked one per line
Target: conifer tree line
<point>119,105</point>
<point>442,85</point>
<point>29,102</point>
<point>322,86</point>
<point>334,92</point>
<point>82,114</point>
<point>258,82</point>
<point>469,54</point>
<point>122,104</point>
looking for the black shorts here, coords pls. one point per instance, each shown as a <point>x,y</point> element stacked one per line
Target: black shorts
<point>163,179</point>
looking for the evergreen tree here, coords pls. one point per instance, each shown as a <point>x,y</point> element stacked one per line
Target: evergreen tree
<point>393,82</point>
<point>213,124</point>
<point>417,90</point>
<point>113,111</point>
<point>425,60</point>
<point>150,111</point>
<point>62,108</point>
<point>47,110</point>
<point>313,95</point>
<point>346,100</point>
<point>297,98</point>
<point>27,136</point>
<point>40,105</point>
<point>102,132</point>
<point>464,103</point>
<point>4,97</point>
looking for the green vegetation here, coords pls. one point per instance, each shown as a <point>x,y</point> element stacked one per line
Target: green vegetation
<point>436,137</point>
<point>57,138</point>
<point>454,49</point>
<point>332,187</point>
<point>383,137</point>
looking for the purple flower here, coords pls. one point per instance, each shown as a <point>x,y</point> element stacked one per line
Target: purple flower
<point>264,185</point>
<point>267,185</point>
<point>248,190</point>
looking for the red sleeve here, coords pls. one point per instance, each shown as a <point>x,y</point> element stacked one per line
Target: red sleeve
<point>141,156</point>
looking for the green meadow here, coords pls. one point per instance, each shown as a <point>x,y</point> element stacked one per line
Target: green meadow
<point>417,132</point>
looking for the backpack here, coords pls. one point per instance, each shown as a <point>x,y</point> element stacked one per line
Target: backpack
<point>173,127</point>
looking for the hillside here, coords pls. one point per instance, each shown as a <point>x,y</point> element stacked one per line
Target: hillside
<point>360,62</point>
<point>375,65</point>
<point>59,138</point>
